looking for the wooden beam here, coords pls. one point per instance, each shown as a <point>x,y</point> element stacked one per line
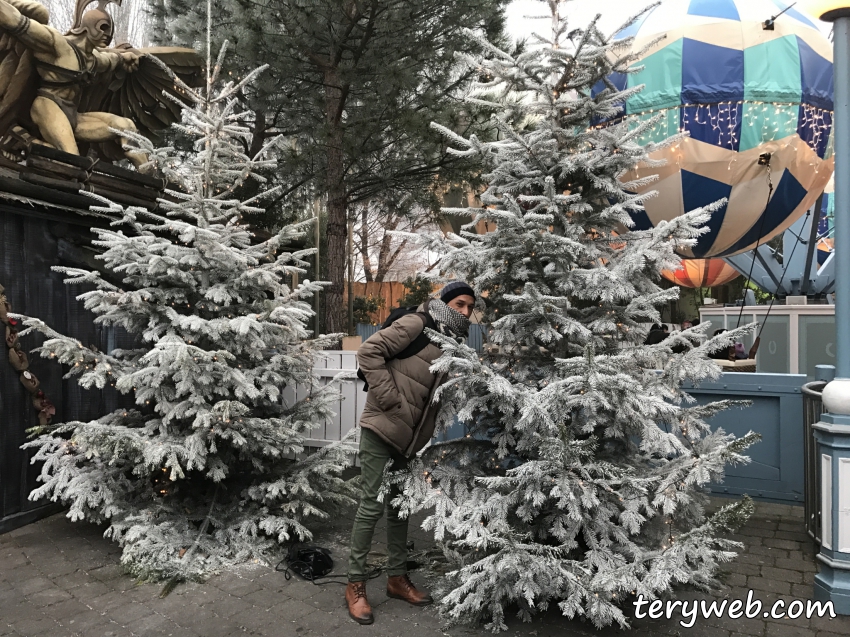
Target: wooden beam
<point>50,182</point>
<point>24,189</point>
<point>121,197</point>
<point>119,185</point>
<point>57,168</point>
<point>40,150</point>
<point>82,219</point>
<point>130,175</point>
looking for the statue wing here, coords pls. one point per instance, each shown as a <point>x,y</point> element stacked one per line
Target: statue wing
<point>18,77</point>
<point>139,95</point>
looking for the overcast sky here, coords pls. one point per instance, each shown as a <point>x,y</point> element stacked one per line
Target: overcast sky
<point>614,13</point>
<point>580,12</point>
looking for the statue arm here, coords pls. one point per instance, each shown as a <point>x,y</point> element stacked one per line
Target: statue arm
<point>107,61</point>
<point>32,33</point>
<point>32,9</point>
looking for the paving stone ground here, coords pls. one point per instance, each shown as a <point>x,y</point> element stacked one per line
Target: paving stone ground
<point>59,579</point>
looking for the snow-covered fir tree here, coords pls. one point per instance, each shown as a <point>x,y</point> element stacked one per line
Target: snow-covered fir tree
<point>201,474</point>
<point>581,479</point>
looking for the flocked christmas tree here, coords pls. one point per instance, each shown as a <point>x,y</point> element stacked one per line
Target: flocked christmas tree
<point>580,481</point>
<point>201,475</point>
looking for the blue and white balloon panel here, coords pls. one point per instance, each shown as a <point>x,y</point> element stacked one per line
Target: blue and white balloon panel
<point>740,91</point>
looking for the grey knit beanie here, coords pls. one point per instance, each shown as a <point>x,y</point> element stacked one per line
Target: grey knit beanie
<point>454,290</point>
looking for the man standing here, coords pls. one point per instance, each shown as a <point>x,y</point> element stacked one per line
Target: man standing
<point>397,422</point>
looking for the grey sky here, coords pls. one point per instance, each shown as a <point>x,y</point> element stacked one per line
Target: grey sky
<point>580,12</point>
<point>614,13</point>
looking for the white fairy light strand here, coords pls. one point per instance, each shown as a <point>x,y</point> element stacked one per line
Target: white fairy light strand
<point>722,117</point>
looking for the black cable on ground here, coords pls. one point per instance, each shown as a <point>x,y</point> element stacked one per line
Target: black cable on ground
<point>314,563</point>
<point>329,579</point>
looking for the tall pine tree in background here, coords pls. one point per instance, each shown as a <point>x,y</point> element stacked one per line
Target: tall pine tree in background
<point>355,84</point>
<point>580,481</point>
<point>201,474</point>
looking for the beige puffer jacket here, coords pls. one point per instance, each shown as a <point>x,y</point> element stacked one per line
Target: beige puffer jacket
<point>398,405</point>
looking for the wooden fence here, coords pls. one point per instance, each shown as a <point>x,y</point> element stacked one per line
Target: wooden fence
<point>31,241</point>
<point>390,291</point>
<point>351,402</point>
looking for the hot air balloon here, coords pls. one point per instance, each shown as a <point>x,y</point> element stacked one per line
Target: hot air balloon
<point>702,273</point>
<point>755,94</point>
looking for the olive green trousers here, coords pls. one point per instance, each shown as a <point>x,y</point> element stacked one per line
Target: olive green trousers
<point>374,455</point>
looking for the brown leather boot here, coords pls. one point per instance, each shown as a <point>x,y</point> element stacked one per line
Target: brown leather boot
<point>400,587</point>
<point>358,605</point>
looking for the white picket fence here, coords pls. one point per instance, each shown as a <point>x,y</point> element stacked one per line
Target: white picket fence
<point>351,403</point>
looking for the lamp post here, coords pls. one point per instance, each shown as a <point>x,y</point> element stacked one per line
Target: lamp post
<point>832,583</point>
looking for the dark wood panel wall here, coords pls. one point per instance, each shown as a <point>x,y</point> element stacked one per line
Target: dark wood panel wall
<point>32,241</point>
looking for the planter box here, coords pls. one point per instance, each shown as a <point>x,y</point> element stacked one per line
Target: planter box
<point>351,343</point>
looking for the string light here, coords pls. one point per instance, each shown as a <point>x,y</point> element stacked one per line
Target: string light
<point>728,120</point>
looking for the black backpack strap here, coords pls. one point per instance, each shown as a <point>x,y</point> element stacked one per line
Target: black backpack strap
<point>420,342</point>
<point>397,314</point>
<point>417,345</point>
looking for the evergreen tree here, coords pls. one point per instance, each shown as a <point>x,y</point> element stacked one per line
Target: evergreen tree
<point>580,480</point>
<point>201,474</point>
<point>367,307</point>
<point>356,84</point>
<point>418,289</point>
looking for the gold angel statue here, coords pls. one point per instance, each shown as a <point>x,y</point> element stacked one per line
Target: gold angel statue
<point>69,90</point>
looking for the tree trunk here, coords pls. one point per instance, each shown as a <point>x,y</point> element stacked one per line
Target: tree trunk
<point>337,238</point>
<point>384,261</point>
<point>258,137</point>
<point>364,243</point>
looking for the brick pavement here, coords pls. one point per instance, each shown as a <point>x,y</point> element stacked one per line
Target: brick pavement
<point>59,579</point>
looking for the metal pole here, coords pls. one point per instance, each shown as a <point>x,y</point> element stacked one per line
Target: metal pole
<point>842,196</point>
<point>350,278</point>
<point>832,433</point>
<point>812,247</point>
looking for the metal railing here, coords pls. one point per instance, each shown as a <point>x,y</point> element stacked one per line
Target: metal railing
<point>812,411</point>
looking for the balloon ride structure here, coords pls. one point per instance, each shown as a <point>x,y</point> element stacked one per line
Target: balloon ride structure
<point>702,273</point>
<point>751,83</point>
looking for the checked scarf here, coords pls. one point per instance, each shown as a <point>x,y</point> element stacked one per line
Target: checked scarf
<point>449,321</point>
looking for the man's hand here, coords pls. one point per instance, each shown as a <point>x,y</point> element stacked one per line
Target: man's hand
<point>130,59</point>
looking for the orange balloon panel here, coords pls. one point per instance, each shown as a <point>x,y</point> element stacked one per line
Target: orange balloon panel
<point>702,273</point>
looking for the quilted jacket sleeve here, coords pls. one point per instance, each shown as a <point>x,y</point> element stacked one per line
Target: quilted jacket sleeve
<point>384,344</point>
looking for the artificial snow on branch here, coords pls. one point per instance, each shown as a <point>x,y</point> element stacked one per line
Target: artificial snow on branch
<point>580,480</point>
<point>202,474</point>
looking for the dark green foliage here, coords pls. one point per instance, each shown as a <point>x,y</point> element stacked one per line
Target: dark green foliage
<point>395,67</point>
<point>354,85</point>
<point>418,290</point>
<point>365,308</point>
